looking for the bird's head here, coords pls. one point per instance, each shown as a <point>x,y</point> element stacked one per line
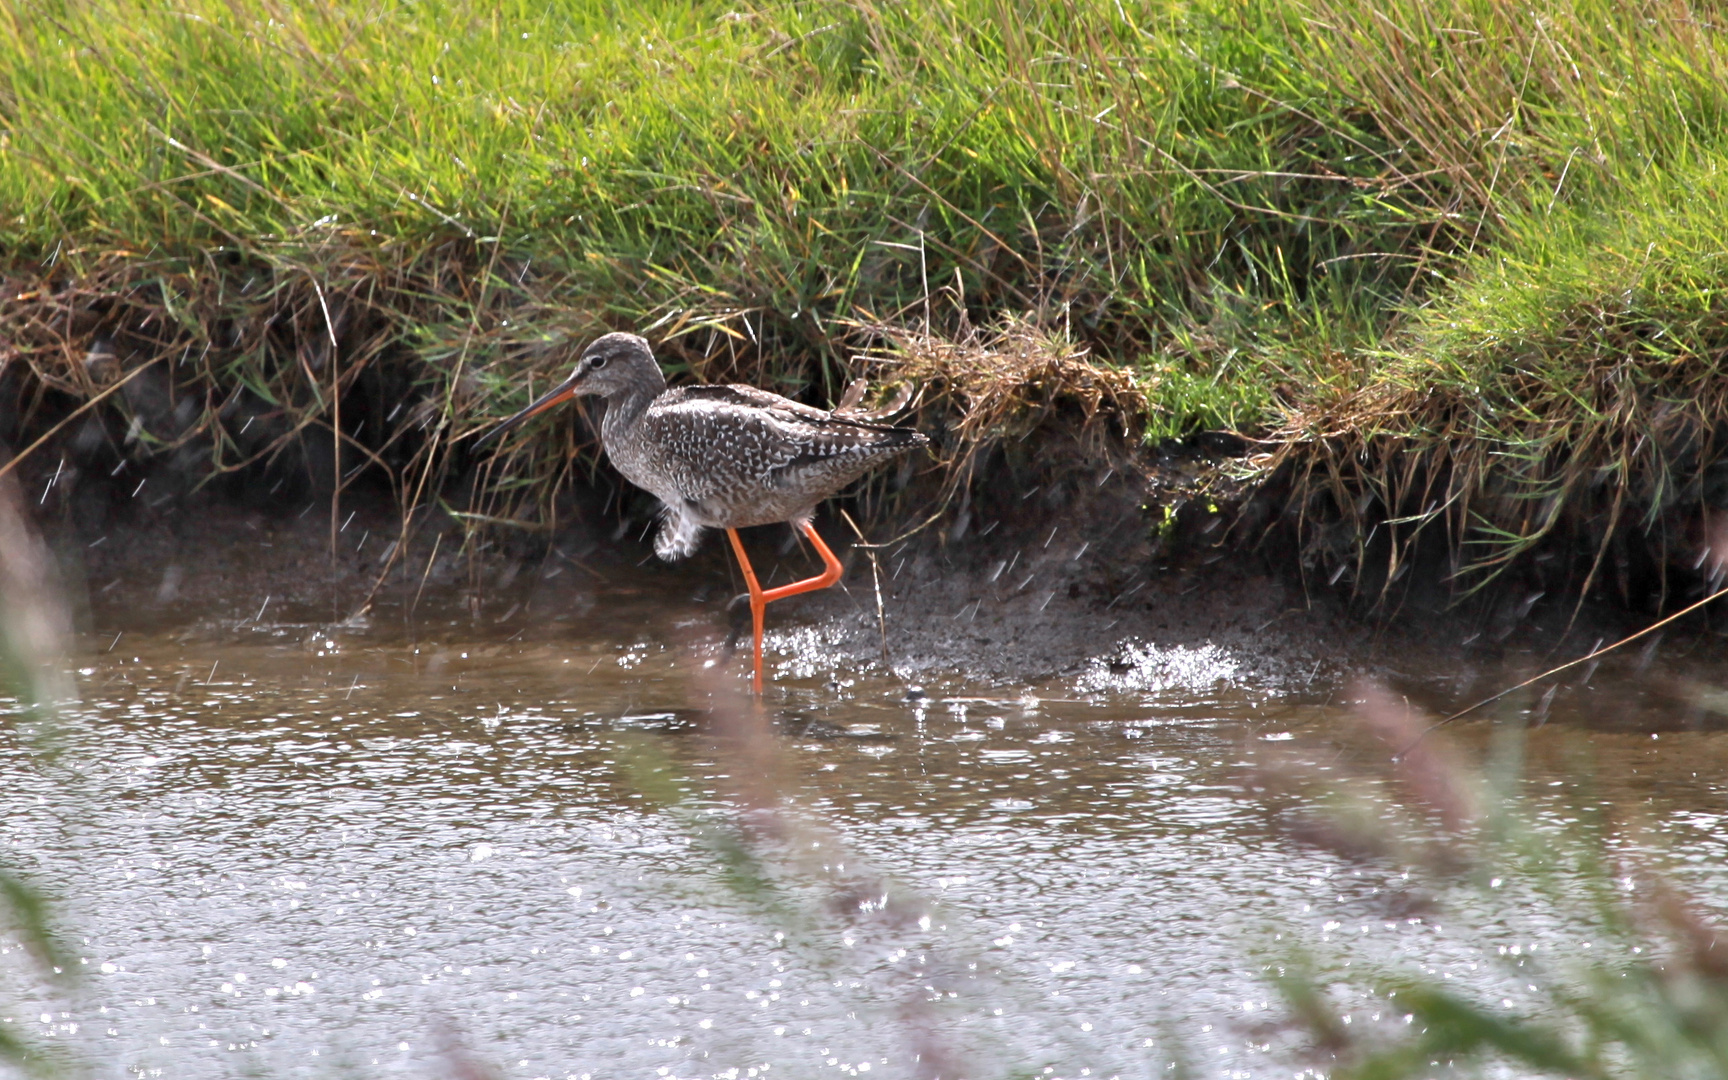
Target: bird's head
<point>612,366</point>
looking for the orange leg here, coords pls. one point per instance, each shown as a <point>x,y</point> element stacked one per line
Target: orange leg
<point>760,598</point>
<point>758,605</point>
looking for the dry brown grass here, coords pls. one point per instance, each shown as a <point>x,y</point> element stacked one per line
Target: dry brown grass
<point>1000,381</point>
<point>1609,451</point>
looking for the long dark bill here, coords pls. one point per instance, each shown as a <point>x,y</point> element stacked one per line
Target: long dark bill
<point>562,393</point>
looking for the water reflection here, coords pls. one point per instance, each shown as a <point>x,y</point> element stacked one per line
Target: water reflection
<point>305,851</point>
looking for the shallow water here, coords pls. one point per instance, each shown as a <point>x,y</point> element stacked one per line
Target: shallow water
<point>434,849</point>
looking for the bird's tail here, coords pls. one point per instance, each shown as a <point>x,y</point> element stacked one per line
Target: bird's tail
<point>851,402</point>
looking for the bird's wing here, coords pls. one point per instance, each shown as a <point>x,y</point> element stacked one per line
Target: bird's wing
<point>721,438</point>
<point>739,394</point>
<point>750,397</point>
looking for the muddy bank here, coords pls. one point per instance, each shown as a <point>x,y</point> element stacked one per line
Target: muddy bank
<point>1100,579</point>
<point>1039,501</point>
<point>1031,570</point>
<point>1070,551</point>
<point>1078,575</point>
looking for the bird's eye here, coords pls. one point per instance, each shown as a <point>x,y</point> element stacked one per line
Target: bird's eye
<point>595,363</point>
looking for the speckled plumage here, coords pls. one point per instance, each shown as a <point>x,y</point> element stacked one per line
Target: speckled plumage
<point>722,457</point>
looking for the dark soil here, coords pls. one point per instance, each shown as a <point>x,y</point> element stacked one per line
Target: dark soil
<point>1020,582</point>
<point>1058,558</point>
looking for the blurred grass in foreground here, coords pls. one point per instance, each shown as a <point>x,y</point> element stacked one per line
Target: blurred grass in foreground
<point>826,903</point>
<point>1643,994</point>
<point>34,633</point>
<point>1459,260</point>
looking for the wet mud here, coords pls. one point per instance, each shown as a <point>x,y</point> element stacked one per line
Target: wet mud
<point>1022,610</point>
<point>1070,590</point>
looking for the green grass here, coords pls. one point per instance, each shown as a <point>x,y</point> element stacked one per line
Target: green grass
<point>1370,228</point>
<point>1559,381</point>
<point>1577,371</point>
<point>779,171</point>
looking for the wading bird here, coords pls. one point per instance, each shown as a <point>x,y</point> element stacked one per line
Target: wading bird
<point>723,457</point>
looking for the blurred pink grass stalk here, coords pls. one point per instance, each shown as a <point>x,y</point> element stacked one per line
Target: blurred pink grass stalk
<point>757,777</point>
<point>1423,763</point>
<point>1653,1001</point>
<point>35,629</point>
<point>35,632</point>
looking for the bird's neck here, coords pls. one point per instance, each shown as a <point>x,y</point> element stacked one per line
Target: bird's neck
<point>624,409</point>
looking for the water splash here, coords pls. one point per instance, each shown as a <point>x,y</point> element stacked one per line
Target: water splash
<point>1141,666</point>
